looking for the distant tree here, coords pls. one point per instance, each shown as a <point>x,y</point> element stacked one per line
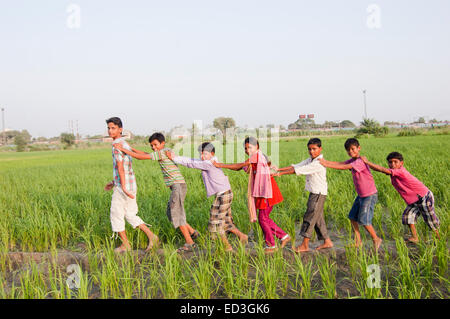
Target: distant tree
<point>421,120</point>
<point>371,126</point>
<point>223,124</point>
<point>67,139</point>
<point>20,142</point>
<point>433,121</point>
<point>302,124</point>
<point>347,123</point>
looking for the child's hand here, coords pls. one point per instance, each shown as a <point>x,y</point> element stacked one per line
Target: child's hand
<point>275,174</point>
<point>127,193</point>
<point>215,164</point>
<point>118,146</point>
<point>170,155</point>
<point>109,186</point>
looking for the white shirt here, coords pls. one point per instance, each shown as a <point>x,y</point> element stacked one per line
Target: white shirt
<point>316,175</point>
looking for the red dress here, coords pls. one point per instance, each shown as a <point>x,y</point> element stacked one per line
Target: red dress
<point>261,202</point>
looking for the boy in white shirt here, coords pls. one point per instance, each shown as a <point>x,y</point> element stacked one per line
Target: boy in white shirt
<point>316,184</point>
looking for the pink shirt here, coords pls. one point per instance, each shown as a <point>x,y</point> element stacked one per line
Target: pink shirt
<point>362,177</point>
<point>407,185</point>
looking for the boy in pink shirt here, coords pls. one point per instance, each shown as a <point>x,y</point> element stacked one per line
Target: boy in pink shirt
<point>364,204</point>
<point>419,199</point>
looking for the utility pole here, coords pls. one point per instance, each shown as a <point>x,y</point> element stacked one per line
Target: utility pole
<point>3,120</point>
<point>365,106</point>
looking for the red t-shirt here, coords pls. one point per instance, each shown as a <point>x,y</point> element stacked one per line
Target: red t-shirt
<point>362,177</point>
<point>407,185</point>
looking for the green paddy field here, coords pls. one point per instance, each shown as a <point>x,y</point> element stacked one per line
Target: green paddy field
<point>54,218</point>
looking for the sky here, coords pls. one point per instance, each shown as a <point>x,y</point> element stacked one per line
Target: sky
<point>159,64</point>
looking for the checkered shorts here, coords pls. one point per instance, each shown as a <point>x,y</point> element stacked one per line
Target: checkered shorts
<point>220,219</point>
<point>425,207</point>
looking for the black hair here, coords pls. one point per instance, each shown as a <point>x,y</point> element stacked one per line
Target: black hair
<point>157,136</point>
<point>251,140</point>
<point>206,146</point>
<point>351,142</point>
<point>395,155</point>
<point>117,121</point>
<point>315,141</point>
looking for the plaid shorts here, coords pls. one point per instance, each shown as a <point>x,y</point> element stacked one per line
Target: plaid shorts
<point>425,207</point>
<point>220,219</point>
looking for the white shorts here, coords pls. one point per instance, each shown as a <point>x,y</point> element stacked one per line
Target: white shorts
<point>123,208</point>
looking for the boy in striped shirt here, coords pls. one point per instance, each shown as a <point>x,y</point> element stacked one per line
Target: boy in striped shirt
<point>174,180</point>
<point>123,202</point>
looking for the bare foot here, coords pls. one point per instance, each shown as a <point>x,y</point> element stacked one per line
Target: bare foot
<point>327,244</point>
<point>284,242</point>
<point>377,243</point>
<point>269,251</point>
<point>122,248</point>
<point>301,249</point>
<point>413,240</point>
<point>228,248</point>
<point>244,239</point>
<point>356,244</point>
<point>152,243</point>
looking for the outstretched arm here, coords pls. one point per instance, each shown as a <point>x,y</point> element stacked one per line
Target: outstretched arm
<point>335,165</point>
<point>285,171</point>
<point>234,167</point>
<point>140,156</point>
<point>137,151</point>
<point>189,162</point>
<point>376,167</point>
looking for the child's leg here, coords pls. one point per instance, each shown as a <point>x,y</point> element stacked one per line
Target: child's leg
<point>176,213</point>
<point>152,238</point>
<point>429,214</point>
<point>186,234</point>
<point>308,222</point>
<point>263,218</point>
<point>355,227</point>
<point>117,217</point>
<point>409,217</point>
<point>353,216</point>
<point>376,240</point>
<point>125,244</point>
<point>414,238</point>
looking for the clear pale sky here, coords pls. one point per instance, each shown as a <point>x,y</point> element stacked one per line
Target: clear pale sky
<point>158,64</point>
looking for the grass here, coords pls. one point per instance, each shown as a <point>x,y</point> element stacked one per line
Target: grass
<point>53,203</point>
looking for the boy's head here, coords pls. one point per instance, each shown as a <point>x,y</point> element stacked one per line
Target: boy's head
<point>157,141</point>
<point>251,145</point>
<point>314,147</point>
<point>114,127</point>
<point>395,160</point>
<point>353,148</point>
<point>207,151</point>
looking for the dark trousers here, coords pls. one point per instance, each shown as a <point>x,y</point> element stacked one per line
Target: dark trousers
<point>313,219</point>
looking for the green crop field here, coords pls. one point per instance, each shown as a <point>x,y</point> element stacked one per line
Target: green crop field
<point>54,213</point>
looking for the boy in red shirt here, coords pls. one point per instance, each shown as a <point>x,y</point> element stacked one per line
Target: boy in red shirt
<point>418,197</point>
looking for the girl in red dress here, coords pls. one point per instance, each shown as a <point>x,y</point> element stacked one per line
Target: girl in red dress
<point>263,192</point>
